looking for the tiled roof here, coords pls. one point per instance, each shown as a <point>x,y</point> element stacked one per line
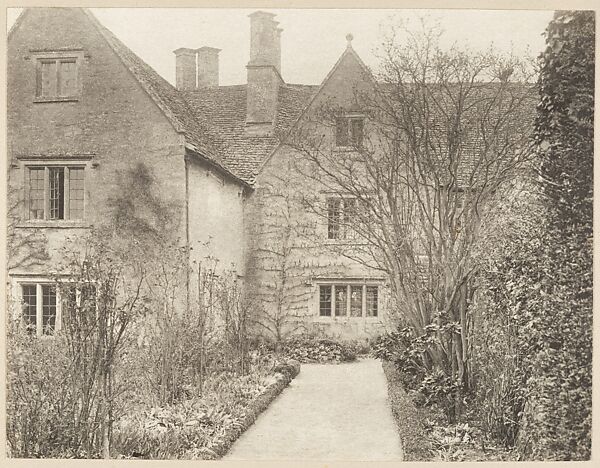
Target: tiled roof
<point>225,108</point>
<point>213,120</point>
<point>169,100</point>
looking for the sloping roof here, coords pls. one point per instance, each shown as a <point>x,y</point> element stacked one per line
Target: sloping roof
<point>191,124</point>
<point>213,120</point>
<point>225,108</point>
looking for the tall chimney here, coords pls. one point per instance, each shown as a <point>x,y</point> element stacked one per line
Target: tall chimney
<point>208,67</point>
<point>264,71</point>
<point>185,68</point>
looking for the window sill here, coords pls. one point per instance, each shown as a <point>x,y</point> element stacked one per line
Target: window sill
<point>344,319</point>
<point>346,149</point>
<point>62,224</point>
<point>348,242</point>
<point>56,99</point>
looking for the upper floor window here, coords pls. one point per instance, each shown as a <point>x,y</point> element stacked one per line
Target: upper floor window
<point>341,216</point>
<point>349,130</point>
<point>55,192</point>
<point>57,75</point>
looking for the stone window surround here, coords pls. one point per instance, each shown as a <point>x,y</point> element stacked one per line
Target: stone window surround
<point>349,136</point>
<point>70,54</point>
<point>26,162</point>
<point>346,282</point>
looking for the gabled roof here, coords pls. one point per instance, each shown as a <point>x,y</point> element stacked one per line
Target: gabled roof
<point>213,120</point>
<point>197,134</point>
<point>225,108</point>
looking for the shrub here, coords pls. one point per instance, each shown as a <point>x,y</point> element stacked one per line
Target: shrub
<point>202,426</point>
<point>429,386</point>
<point>41,409</point>
<point>308,348</point>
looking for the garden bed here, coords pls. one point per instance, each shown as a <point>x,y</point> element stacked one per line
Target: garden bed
<point>202,427</point>
<point>317,349</point>
<point>426,436</point>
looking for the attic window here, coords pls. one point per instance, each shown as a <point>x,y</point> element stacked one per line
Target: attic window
<point>57,76</point>
<point>349,130</point>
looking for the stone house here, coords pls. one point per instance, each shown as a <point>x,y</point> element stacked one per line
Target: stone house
<point>89,121</point>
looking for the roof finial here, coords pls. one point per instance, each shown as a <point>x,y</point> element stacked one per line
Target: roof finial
<point>349,38</point>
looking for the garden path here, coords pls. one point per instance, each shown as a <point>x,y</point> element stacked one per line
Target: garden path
<point>328,412</point>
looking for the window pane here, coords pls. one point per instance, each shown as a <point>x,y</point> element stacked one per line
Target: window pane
<point>349,217</point>
<point>341,297</point>
<point>57,192</point>
<point>341,131</point>
<point>325,301</point>
<point>68,295</point>
<point>36,193</point>
<point>48,308</point>
<point>76,193</point>
<point>29,295</point>
<point>67,78</point>
<point>333,218</point>
<point>47,79</point>
<point>87,297</point>
<point>372,293</point>
<point>356,301</point>
<point>356,130</point>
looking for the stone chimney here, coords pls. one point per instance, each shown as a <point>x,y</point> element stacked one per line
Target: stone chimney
<point>185,68</point>
<point>208,67</point>
<point>264,72</point>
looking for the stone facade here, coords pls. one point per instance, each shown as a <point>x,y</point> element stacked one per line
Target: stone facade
<point>224,179</point>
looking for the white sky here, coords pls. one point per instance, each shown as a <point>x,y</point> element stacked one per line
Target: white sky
<point>312,40</point>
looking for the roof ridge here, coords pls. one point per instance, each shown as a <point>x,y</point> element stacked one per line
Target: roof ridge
<point>209,145</point>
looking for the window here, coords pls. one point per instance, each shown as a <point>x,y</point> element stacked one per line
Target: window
<point>341,300</point>
<point>341,216</point>
<point>356,301</point>
<point>333,218</point>
<point>44,304</point>
<point>349,130</point>
<point>372,300</point>
<point>348,300</point>
<point>39,307</point>
<point>57,79</point>
<point>55,192</point>
<point>325,301</point>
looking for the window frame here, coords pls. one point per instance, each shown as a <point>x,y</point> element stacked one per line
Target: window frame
<point>343,229</point>
<point>68,165</point>
<point>57,56</point>
<point>347,285</point>
<point>348,134</point>
<point>39,283</point>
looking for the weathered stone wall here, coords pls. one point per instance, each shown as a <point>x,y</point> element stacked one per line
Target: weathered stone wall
<point>288,250</point>
<point>114,121</point>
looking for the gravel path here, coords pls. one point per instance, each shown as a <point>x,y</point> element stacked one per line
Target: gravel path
<point>329,412</point>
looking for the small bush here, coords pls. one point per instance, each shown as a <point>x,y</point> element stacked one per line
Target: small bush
<point>307,348</point>
<point>200,427</point>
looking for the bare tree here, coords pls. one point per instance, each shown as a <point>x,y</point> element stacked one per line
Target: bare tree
<point>444,130</point>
